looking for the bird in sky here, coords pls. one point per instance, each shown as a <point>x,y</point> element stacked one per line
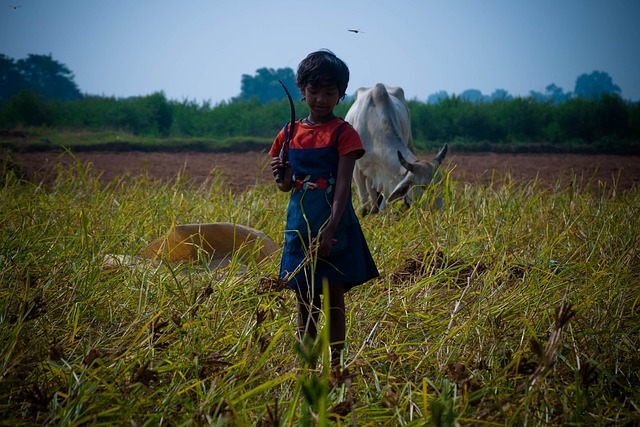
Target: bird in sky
<point>13,7</point>
<point>354,30</point>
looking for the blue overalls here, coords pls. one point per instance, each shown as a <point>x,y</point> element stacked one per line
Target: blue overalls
<point>350,262</point>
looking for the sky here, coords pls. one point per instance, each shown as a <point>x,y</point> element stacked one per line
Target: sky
<point>198,50</point>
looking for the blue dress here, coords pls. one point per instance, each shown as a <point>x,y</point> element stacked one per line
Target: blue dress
<point>350,262</point>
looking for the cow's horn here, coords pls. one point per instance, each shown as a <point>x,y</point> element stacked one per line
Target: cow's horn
<point>440,156</point>
<point>408,166</point>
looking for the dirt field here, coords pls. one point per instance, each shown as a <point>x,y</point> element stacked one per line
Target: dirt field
<point>245,169</point>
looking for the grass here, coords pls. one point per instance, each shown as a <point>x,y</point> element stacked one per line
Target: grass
<point>516,304</point>
<point>34,139</point>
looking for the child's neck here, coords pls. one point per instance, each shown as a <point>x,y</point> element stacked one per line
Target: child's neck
<point>309,120</point>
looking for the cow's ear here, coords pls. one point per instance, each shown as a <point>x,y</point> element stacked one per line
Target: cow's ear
<point>400,191</point>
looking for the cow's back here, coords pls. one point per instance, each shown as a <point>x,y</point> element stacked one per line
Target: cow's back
<point>381,116</point>
<point>380,112</point>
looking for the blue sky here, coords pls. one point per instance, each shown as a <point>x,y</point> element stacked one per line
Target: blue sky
<point>198,50</point>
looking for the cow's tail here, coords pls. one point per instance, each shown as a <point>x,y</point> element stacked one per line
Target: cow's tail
<point>440,156</point>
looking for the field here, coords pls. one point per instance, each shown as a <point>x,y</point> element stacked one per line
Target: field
<point>515,304</point>
<point>240,170</point>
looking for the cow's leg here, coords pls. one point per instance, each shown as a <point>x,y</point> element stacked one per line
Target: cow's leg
<point>377,200</point>
<point>381,202</point>
<point>361,186</point>
<point>373,197</point>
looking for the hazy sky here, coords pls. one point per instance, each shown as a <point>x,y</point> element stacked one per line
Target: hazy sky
<point>198,49</point>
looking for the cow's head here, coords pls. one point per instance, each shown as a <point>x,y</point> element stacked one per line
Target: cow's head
<point>420,173</point>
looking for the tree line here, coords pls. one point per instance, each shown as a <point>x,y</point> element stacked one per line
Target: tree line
<point>601,121</point>
<point>607,122</point>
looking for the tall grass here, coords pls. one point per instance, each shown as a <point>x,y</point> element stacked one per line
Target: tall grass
<point>515,304</point>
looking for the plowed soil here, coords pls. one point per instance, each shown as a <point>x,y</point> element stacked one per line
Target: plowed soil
<point>242,170</point>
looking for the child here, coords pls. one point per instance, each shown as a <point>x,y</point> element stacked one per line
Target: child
<point>320,217</point>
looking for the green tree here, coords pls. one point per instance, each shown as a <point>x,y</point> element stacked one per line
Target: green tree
<point>11,81</point>
<point>575,120</point>
<point>612,116</point>
<point>594,85</point>
<point>436,98</point>
<point>473,95</point>
<point>500,95</point>
<point>557,94</point>
<point>48,77</point>
<point>634,121</point>
<point>159,111</point>
<point>265,86</point>
<point>27,108</point>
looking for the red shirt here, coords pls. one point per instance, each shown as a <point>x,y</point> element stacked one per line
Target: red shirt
<point>321,135</point>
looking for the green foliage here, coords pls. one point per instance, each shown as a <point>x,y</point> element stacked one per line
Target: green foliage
<point>146,115</point>
<point>511,122</point>
<point>582,119</point>
<point>27,109</point>
<point>607,123</point>
<point>465,317</point>
<point>37,73</point>
<point>265,85</point>
<point>11,81</point>
<point>595,85</point>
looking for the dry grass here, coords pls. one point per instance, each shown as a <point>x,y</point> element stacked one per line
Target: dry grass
<point>516,304</point>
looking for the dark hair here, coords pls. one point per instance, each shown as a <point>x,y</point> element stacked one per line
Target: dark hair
<point>323,68</point>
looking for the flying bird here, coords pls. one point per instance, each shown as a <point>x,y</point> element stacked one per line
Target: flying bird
<point>353,30</point>
<point>13,7</point>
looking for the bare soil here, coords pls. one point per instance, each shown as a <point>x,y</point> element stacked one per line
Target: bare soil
<point>242,170</point>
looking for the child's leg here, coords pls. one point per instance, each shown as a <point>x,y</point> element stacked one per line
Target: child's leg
<point>308,313</point>
<point>337,323</point>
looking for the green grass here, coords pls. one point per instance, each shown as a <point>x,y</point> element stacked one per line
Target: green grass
<point>516,304</point>
<point>33,139</point>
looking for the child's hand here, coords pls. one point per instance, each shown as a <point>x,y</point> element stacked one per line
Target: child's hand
<point>276,163</point>
<point>324,241</point>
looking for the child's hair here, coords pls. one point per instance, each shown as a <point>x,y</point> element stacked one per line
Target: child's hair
<point>323,68</point>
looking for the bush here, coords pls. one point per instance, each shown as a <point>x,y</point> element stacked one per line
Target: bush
<point>26,109</point>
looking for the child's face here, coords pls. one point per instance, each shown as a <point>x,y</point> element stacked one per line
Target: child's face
<point>321,99</point>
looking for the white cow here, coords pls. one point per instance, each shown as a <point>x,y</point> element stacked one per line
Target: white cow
<point>390,169</point>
